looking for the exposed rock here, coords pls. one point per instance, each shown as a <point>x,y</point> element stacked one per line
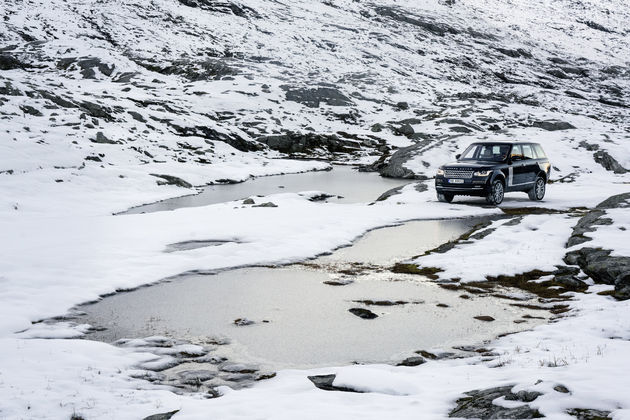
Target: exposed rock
<point>9,90</point>
<point>395,168</point>
<point>608,162</point>
<point>515,53</point>
<point>293,142</point>
<point>363,313</point>
<point>97,111</point>
<point>100,138</point>
<point>249,201</point>
<point>239,368</point>
<point>267,204</point>
<point>137,116</point>
<point>162,416</point>
<point>31,111</point>
<point>615,202</point>
<point>436,28</point>
<point>313,97</point>
<point>172,180</point>
<point>405,130</point>
<point>561,388</point>
<point>9,62</point>
<point>485,318</point>
<point>597,26</point>
<point>478,404</point>
<point>233,139</point>
<point>589,414</point>
<point>241,322</point>
<point>196,377</point>
<point>325,382</point>
<point>553,125</point>
<point>218,6</point>
<point>412,361</point>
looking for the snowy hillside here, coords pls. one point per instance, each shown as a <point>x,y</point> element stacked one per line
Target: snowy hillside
<point>110,104</point>
<point>174,87</point>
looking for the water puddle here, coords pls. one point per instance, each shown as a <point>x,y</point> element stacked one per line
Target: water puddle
<point>261,319</point>
<point>344,183</point>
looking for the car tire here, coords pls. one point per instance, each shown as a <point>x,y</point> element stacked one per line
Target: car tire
<point>445,197</point>
<point>497,191</point>
<point>537,192</point>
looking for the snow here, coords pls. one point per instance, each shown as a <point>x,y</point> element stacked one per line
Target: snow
<point>62,246</point>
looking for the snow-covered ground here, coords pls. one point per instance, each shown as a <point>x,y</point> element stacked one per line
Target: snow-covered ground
<point>191,92</point>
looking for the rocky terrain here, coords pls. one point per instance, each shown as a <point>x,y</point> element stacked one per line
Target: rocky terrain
<point>109,104</point>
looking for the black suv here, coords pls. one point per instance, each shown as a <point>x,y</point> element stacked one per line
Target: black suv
<point>490,169</point>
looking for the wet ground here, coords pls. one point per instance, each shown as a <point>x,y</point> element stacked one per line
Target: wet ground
<point>238,326</point>
<point>344,182</point>
<point>299,316</point>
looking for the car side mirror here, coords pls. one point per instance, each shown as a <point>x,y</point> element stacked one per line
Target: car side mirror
<point>457,156</point>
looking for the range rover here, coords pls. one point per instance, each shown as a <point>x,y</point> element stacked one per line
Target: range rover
<point>490,169</point>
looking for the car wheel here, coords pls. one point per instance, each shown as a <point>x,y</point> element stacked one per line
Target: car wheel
<point>537,193</point>
<point>445,197</point>
<point>495,196</point>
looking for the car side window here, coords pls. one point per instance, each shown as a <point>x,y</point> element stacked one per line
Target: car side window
<point>539,151</point>
<point>517,152</point>
<point>528,153</point>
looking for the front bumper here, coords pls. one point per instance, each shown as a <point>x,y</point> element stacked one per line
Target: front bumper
<point>478,186</point>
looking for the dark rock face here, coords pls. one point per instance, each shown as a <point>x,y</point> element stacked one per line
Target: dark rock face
<point>436,28</point>
<point>100,138</point>
<point>588,414</point>
<point>9,62</point>
<point>292,142</point>
<point>27,109</point>
<point>172,180</point>
<point>395,168</point>
<point>553,125</point>
<point>478,404</point>
<point>608,162</point>
<point>218,6</point>
<point>313,97</point>
<point>412,361</point>
<point>363,313</point>
<point>209,69</point>
<point>485,318</point>
<point>208,133</point>
<point>162,416</point>
<point>325,382</point>
<point>597,262</point>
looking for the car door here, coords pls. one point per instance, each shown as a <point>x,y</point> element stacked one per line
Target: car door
<point>530,163</point>
<point>516,173</point>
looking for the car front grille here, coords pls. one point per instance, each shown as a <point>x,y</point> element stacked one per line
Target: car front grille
<point>458,173</point>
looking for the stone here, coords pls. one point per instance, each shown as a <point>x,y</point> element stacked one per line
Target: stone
<point>196,377</point>
<point>162,416</point>
<point>241,322</point>
<point>478,404</point>
<point>100,138</point>
<point>561,388</point>
<point>296,142</point>
<point>405,130</point>
<point>172,180</point>
<point>249,201</point>
<point>395,166</point>
<point>313,97</point>
<point>27,109</point>
<point>553,125</point>
<point>363,313</point>
<point>412,361</point>
<point>485,318</point>
<point>267,204</point>
<point>608,162</point>
<point>588,414</point>
<point>325,382</point>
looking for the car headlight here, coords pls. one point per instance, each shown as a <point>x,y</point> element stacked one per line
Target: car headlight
<point>440,171</point>
<point>482,173</point>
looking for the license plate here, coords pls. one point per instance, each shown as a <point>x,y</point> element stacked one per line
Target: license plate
<point>455,181</point>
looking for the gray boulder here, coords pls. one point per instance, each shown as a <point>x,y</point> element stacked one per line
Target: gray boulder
<point>478,404</point>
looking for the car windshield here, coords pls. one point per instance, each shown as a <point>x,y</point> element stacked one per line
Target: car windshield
<point>489,152</point>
